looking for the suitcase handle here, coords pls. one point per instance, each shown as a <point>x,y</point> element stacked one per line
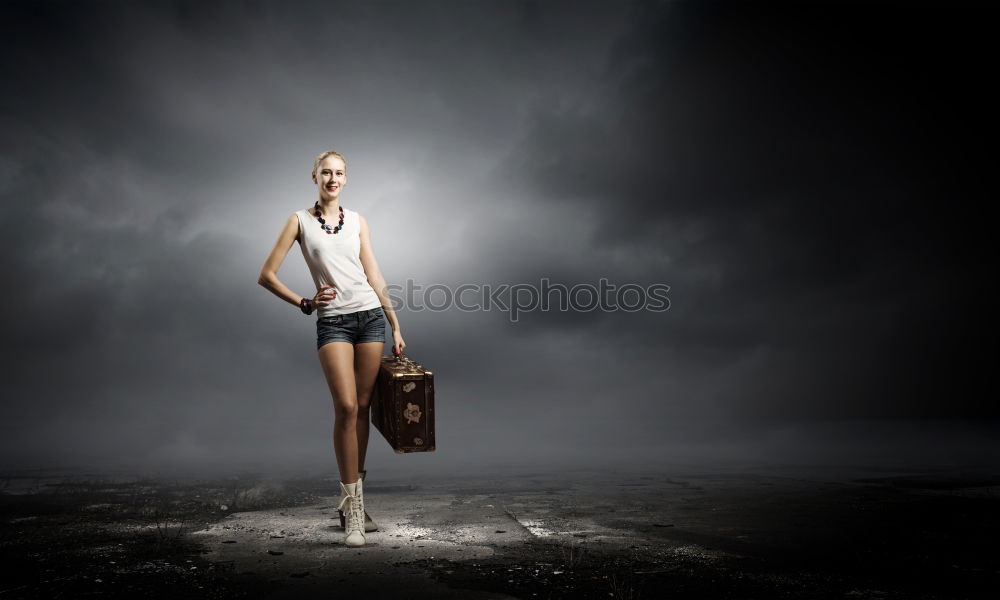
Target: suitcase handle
<point>401,358</point>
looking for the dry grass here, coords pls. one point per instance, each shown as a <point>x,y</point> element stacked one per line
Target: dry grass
<point>572,554</point>
<point>622,587</point>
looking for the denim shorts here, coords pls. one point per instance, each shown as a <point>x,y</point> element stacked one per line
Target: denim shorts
<point>356,328</point>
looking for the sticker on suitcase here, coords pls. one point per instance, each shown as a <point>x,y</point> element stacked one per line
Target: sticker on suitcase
<point>412,413</point>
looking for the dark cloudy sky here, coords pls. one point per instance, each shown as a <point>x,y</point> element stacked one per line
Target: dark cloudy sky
<point>810,179</point>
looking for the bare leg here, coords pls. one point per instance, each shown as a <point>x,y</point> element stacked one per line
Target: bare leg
<point>367,358</point>
<point>337,359</point>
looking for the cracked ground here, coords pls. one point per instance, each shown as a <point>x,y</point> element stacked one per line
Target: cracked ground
<point>672,532</point>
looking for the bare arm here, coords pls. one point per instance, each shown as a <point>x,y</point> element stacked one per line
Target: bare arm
<point>269,272</point>
<point>377,282</point>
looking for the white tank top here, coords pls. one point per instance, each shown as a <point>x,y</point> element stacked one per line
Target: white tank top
<point>335,258</point>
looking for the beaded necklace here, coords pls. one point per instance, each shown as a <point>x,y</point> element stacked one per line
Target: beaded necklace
<point>322,221</point>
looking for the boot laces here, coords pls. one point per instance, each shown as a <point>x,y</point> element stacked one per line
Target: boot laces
<point>353,512</point>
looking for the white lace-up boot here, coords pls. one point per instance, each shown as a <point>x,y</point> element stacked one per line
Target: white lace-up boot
<point>369,522</point>
<point>352,505</point>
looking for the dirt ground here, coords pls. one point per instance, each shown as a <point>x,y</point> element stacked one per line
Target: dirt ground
<point>666,533</point>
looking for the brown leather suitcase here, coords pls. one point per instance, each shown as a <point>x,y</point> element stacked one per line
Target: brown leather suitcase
<point>403,405</point>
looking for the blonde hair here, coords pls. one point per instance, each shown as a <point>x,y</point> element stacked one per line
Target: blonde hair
<point>323,155</point>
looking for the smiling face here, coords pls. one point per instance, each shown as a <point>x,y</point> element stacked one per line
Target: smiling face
<point>330,177</point>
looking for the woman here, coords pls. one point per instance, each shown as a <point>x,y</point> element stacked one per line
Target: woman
<point>351,303</point>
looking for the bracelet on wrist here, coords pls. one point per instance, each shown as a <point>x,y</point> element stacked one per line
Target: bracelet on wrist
<point>306,304</point>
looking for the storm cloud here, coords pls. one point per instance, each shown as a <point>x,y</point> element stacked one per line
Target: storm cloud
<point>806,178</point>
